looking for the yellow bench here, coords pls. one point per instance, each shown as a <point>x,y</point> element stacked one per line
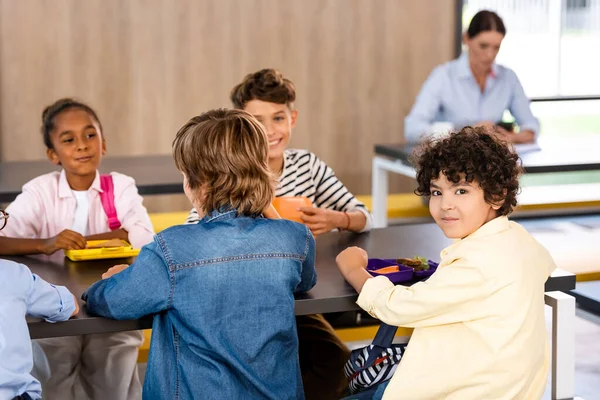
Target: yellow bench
<point>404,205</point>
<point>144,349</point>
<point>409,205</point>
<point>542,200</point>
<point>162,221</point>
<point>367,333</point>
<point>401,205</point>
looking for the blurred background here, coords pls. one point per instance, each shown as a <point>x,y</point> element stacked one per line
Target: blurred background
<point>147,66</point>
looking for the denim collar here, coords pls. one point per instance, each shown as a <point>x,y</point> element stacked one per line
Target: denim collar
<point>223,213</point>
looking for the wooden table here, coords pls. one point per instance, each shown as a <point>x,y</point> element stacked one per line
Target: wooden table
<point>552,155</point>
<point>155,174</point>
<point>331,294</point>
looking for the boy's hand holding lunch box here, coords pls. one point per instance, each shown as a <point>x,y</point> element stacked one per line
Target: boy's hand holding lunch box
<point>323,220</point>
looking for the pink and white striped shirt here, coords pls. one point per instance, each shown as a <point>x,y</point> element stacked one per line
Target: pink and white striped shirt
<point>47,206</point>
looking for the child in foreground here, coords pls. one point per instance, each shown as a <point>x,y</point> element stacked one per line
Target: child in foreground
<point>23,293</point>
<point>479,320</point>
<point>221,291</point>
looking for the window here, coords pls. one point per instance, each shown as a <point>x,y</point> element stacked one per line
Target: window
<point>568,118</point>
<point>552,45</point>
<point>565,117</point>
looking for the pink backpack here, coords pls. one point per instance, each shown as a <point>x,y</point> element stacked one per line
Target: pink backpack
<point>107,197</point>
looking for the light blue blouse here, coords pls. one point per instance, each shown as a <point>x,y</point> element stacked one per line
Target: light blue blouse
<point>451,94</point>
<point>23,293</point>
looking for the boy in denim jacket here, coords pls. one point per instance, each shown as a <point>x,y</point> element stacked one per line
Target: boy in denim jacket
<point>221,291</point>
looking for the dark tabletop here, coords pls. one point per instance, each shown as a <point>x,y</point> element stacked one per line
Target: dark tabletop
<point>554,154</point>
<point>331,294</point>
<point>153,174</point>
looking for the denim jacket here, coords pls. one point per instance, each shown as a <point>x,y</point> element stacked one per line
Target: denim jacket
<point>222,295</point>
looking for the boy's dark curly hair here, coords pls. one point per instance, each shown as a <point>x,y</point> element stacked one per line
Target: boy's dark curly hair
<point>475,155</point>
<point>266,85</point>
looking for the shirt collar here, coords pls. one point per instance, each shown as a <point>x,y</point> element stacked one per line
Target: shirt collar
<point>464,69</point>
<point>64,190</point>
<point>497,225</point>
<point>494,226</point>
<point>223,213</point>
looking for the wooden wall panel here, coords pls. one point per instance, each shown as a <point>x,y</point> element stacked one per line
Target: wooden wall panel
<point>146,66</point>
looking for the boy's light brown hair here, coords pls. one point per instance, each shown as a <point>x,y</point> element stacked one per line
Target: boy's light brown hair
<point>224,156</point>
<point>265,85</point>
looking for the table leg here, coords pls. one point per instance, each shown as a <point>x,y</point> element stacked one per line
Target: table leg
<point>379,186</point>
<point>379,193</point>
<point>563,344</point>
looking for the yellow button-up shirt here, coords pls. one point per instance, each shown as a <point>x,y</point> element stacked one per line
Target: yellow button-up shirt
<point>479,319</point>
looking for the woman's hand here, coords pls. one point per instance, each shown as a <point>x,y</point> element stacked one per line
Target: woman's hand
<point>523,137</point>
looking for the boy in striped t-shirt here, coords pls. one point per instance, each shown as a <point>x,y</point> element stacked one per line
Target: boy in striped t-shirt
<point>270,97</point>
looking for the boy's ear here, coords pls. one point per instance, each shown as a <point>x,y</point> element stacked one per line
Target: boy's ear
<point>293,117</point>
<point>52,156</point>
<point>496,205</point>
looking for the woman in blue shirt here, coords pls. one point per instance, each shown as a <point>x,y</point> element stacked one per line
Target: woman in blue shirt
<point>473,89</point>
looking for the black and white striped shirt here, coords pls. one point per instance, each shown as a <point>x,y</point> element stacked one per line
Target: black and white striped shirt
<point>305,175</point>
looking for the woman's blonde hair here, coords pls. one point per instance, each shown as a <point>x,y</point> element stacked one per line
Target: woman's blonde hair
<point>224,155</point>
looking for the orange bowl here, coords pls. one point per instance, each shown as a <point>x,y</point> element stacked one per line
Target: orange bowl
<point>287,207</point>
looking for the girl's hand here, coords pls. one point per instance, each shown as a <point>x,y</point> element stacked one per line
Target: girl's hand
<point>322,220</point>
<point>66,240</point>
<point>114,270</point>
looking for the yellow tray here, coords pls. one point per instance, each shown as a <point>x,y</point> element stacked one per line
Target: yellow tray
<point>101,253</point>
